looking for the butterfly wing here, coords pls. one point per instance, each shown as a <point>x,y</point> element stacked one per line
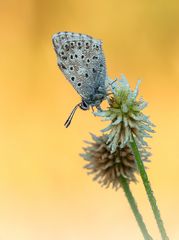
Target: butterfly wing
<point>81,59</point>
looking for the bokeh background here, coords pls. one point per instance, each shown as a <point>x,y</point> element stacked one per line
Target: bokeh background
<point>44,190</point>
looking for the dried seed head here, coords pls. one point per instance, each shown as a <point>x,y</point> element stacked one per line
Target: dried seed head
<point>106,166</point>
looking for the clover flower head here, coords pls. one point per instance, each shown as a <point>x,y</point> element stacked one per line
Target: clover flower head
<point>107,167</point>
<point>125,114</point>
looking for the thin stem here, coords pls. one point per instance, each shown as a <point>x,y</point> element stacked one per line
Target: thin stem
<point>134,208</point>
<point>149,191</point>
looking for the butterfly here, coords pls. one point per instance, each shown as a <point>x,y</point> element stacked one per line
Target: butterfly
<point>80,57</point>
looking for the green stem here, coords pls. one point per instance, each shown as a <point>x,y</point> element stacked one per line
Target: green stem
<point>134,208</point>
<point>149,191</point>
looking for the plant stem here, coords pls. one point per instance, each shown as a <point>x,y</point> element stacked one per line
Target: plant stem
<point>134,208</point>
<point>149,191</point>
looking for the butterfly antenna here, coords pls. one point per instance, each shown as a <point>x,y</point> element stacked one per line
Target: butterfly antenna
<point>69,119</point>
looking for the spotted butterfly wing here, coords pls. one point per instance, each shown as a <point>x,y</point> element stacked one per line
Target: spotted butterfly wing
<point>80,58</point>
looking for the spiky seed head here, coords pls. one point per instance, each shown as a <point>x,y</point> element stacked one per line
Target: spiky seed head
<point>107,167</point>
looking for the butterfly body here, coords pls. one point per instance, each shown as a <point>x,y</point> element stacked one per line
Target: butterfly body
<point>80,58</point>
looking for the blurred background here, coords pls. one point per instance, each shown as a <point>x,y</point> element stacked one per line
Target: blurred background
<point>45,192</point>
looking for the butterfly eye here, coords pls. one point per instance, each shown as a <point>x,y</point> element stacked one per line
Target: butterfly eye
<point>72,79</point>
<point>86,75</point>
<point>76,56</point>
<point>82,56</point>
<point>88,60</point>
<point>94,70</point>
<point>79,84</point>
<point>71,57</point>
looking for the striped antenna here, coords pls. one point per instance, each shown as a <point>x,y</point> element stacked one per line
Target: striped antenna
<point>69,119</point>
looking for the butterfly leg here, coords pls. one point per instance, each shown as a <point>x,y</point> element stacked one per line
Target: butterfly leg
<point>113,82</point>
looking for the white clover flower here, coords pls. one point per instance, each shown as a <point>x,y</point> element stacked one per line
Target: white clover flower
<point>125,114</point>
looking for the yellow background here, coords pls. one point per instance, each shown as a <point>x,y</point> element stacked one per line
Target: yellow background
<point>44,191</point>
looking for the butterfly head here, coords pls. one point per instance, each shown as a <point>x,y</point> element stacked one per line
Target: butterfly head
<point>84,105</point>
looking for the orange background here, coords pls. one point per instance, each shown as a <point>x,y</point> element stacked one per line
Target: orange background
<point>44,191</point>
